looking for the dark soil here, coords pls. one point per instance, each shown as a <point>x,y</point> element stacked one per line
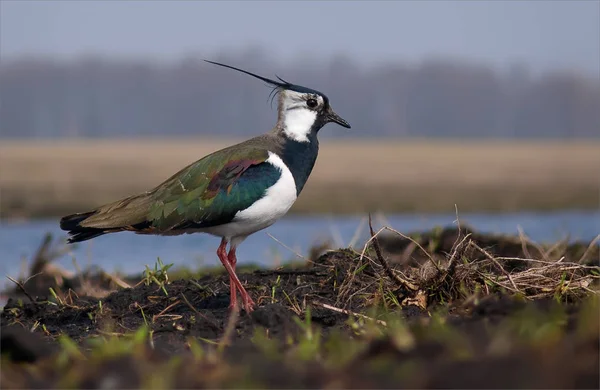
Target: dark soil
<point>467,329</point>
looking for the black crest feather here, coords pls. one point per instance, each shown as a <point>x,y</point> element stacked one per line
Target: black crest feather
<point>278,85</point>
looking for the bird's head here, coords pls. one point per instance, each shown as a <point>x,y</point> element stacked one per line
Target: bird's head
<point>302,110</point>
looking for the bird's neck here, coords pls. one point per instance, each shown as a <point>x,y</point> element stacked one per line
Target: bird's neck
<point>300,157</point>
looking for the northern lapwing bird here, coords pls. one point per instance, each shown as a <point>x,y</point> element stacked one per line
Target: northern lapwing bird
<point>230,193</point>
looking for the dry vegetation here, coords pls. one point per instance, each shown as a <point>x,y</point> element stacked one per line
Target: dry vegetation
<point>51,178</point>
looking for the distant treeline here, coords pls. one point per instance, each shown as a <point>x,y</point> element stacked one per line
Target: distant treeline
<point>98,97</point>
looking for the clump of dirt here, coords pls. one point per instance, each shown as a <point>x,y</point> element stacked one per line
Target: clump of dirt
<point>330,322</point>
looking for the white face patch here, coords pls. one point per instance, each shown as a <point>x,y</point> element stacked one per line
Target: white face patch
<point>298,122</point>
<point>297,117</point>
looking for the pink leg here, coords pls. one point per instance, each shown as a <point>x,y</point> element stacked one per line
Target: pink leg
<point>232,287</point>
<point>248,302</point>
<point>233,279</point>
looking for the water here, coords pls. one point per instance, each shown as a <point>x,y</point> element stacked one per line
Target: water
<point>128,252</point>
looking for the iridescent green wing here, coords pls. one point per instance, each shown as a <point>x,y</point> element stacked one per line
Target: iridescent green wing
<point>212,190</point>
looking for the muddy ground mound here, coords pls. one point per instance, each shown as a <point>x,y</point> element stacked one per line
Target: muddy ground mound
<point>446,308</point>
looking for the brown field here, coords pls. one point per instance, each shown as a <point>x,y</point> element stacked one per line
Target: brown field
<point>49,178</point>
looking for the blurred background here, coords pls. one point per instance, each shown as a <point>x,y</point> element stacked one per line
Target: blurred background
<point>486,109</point>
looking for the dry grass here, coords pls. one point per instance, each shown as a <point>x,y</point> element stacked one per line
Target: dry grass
<point>465,274</point>
<point>49,178</point>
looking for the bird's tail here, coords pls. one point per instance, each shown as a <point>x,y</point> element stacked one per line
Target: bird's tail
<point>71,223</point>
<point>126,214</point>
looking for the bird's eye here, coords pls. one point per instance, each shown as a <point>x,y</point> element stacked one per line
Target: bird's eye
<point>311,103</point>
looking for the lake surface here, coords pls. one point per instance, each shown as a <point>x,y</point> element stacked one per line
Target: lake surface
<point>128,252</point>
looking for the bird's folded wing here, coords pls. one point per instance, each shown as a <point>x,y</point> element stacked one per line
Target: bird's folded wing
<point>211,191</point>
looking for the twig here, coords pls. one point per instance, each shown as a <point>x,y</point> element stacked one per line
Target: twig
<point>589,248</point>
<point>22,286</point>
<point>348,312</point>
<point>516,289</point>
<point>288,248</point>
<point>555,246</point>
<point>380,216</point>
<point>118,281</point>
<point>385,264</point>
<point>69,292</point>
<point>415,242</point>
<point>457,220</point>
<point>156,316</point>
<point>551,263</point>
<point>456,245</point>
<point>195,310</point>
<point>452,261</point>
<point>407,252</point>
<point>523,240</point>
<point>357,233</point>
<point>526,240</point>
<point>335,233</point>
<point>495,281</point>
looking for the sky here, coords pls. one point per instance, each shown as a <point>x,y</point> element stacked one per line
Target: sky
<point>545,35</point>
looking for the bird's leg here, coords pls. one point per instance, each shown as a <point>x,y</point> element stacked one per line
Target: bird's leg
<point>233,279</point>
<point>232,287</point>
<point>248,302</point>
<point>222,253</point>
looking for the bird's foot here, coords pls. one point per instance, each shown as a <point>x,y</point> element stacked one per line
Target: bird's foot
<point>249,305</point>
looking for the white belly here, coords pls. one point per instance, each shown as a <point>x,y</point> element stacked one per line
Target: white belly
<point>264,212</point>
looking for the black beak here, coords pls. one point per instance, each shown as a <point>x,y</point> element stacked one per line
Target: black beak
<point>333,117</point>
